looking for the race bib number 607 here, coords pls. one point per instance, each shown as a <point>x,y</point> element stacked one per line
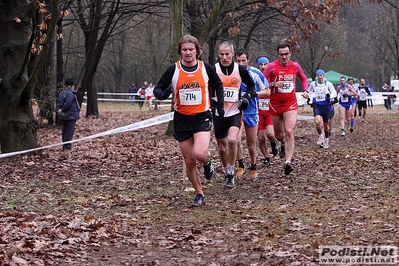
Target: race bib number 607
<point>230,94</point>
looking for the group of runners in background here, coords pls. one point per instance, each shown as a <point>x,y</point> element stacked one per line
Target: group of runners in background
<point>234,96</point>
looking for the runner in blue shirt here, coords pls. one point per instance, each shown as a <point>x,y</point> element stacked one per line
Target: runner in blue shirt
<point>352,111</point>
<point>250,118</point>
<point>322,95</point>
<point>345,92</point>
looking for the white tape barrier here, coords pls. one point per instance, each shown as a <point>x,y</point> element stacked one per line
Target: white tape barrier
<point>142,124</point>
<point>304,117</point>
<point>377,98</point>
<point>146,123</point>
<point>118,94</point>
<point>128,100</point>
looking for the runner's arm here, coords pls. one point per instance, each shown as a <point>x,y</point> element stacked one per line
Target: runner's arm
<point>331,89</point>
<point>215,82</point>
<point>352,90</point>
<point>247,79</point>
<point>162,89</point>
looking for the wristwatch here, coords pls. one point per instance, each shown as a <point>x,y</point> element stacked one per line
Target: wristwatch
<point>272,84</point>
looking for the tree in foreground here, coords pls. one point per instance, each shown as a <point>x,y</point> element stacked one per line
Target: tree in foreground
<point>21,36</point>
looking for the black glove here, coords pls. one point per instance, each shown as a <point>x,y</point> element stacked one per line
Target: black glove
<point>333,101</point>
<point>327,95</point>
<point>214,103</point>
<point>243,104</point>
<point>220,108</point>
<point>254,94</point>
<point>163,95</point>
<point>248,96</point>
<point>309,102</point>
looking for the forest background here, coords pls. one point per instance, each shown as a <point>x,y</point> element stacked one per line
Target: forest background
<point>360,42</point>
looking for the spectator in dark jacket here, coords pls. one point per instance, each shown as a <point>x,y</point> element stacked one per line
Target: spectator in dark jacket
<point>133,90</point>
<point>68,109</point>
<point>387,103</point>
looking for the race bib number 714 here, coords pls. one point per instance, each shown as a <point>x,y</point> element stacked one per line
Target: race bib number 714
<point>190,97</point>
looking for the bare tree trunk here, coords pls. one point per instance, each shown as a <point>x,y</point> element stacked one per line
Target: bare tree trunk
<point>60,67</point>
<point>17,123</point>
<point>18,126</point>
<point>208,29</point>
<point>43,91</point>
<point>94,48</point>
<point>176,15</point>
<point>396,68</point>
<point>92,103</point>
<point>53,81</point>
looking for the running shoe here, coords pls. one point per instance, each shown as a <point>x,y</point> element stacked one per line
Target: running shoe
<point>342,133</point>
<point>240,171</point>
<point>282,151</point>
<point>320,141</point>
<point>266,162</point>
<point>363,121</point>
<point>229,181</point>
<point>287,168</point>
<point>325,144</point>
<point>208,170</point>
<point>199,200</point>
<point>351,129</point>
<point>274,148</point>
<point>254,175</point>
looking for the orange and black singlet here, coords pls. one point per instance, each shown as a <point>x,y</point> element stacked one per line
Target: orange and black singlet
<point>191,90</point>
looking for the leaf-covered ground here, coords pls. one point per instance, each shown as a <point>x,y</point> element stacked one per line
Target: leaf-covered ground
<point>122,199</point>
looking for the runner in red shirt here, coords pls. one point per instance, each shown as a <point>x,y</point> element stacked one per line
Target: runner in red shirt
<point>265,126</point>
<point>283,107</point>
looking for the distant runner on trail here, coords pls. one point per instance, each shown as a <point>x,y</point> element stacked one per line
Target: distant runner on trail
<point>345,92</point>
<point>364,92</point>
<point>322,95</point>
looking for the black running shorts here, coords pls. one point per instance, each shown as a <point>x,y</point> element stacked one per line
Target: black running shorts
<point>185,126</point>
<point>323,111</point>
<point>222,127</point>
<point>362,104</point>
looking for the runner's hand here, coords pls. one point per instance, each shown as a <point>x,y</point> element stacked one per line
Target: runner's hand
<point>243,104</point>
<point>163,95</point>
<point>310,102</point>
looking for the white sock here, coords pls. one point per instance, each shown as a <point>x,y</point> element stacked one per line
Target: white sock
<point>230,169</point>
